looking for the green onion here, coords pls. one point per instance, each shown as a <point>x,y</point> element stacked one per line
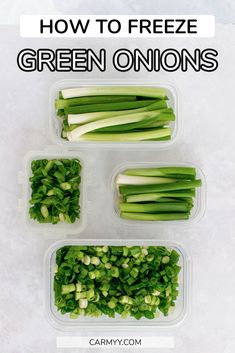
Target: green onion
<point>55,190</point>
<point>144,288</point>
<point>154,217</point>
<point>107,107</point>
<point>63,103</point>
<point>130,118</point>
<point>157,194</point>
<point>133,126</point>
<point>163,171</point>
<point>138,180</point>
<point>154,207</point>
<point>100,113</point>
<point>130,136</point>
<point>139,189</point>
<point>152,92</point>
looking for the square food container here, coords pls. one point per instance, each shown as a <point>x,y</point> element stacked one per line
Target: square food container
<point>55,124</point>
<point>199,201</point>
<point>49,230</point>
<point>63,322</point>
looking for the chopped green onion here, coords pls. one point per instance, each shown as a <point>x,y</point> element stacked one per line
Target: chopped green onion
<point>146,287</point>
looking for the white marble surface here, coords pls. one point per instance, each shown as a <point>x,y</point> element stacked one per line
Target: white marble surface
<point>206,138</point>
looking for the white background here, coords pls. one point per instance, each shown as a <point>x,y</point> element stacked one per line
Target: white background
<point>207,139</point>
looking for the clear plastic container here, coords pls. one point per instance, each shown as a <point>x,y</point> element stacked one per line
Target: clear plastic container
<point>60,229</point>
<point>55,124</point>
<point>199,201</point>
<point>64,322</point>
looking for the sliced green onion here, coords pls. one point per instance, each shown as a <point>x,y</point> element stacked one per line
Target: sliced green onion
<point>145,287</point>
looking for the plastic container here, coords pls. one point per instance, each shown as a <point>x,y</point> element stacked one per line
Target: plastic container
<point>199,201</point>
<point>51,230</point>
<point>64,322</point>
<point>55,124</point>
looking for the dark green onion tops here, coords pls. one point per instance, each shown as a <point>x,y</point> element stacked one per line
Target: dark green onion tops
<point>55,190</point>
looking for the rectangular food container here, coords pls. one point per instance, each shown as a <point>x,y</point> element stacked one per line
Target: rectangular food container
<point>64,322</point>
<point>55,125</point>
<point>199,201</point>
<point>60,229</point>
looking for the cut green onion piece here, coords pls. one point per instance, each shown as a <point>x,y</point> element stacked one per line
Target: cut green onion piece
<point>63,103</point>
<point>106,107</point>
<point>153,92</point>
<point>157,196</point>
<point>67,288</point>
<point>159,106</point>
<point>123,179</point>
<point>130,136</point>
<point>131,118</point>
<point>154,207</point>
<point>154,216</point>
<point>140,189</point>
<point>83,303</point>
<point>163,171</point>
<point>127,127</point>
<point>44,211</point>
